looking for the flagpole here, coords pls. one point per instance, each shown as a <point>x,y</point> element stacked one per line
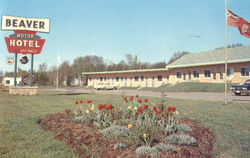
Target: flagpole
<point>226,53</point>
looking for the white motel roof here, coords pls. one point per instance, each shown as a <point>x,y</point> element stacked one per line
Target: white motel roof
<point>125,71</point>
<point>235,55</point>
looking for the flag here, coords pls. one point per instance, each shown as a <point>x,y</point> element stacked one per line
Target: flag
<point>236,21</point>
<point>244,28</point>
<point>232,19</point>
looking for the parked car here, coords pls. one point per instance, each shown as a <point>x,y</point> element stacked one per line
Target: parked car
<point>103,86</point>
<point>241,89</point>
<point>20,84</point>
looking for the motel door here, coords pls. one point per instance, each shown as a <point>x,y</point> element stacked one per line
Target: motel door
<point>125,81</point>
<point>130,81</point>
<point>214,73</point>
<point>189,75</point>
<point>146,81</point>
<point>153,81</point>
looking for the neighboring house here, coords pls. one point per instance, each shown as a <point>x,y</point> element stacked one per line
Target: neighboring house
<point>75,82</point>
<point>9,81</point>
<point>195,67</point>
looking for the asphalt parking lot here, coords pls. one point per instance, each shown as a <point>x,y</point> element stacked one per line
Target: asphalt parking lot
<point>181,95</point>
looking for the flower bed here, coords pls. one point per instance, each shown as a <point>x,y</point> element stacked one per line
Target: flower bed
<point>131,129</point>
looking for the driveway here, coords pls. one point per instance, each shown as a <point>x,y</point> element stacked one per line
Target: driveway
<point>180,95</point>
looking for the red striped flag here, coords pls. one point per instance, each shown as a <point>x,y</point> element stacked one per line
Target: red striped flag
<point>236,21</point>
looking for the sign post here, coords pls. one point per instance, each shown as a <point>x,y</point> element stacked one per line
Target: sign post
<point>24,40</point>
<point>31,69</point>
<point>15,69</point>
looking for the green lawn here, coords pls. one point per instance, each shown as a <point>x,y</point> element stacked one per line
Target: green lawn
<point>190,87</point>
<point>21,136</point>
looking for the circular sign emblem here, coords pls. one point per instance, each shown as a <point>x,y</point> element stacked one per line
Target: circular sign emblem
<point>24,59</point>
<point>10,61</point>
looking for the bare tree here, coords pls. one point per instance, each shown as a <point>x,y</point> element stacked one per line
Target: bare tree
<point>52,75</point>
<point>176,56</point>
<point>65,73</point>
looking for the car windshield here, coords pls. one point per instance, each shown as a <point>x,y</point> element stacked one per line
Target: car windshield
<point>247,82</point>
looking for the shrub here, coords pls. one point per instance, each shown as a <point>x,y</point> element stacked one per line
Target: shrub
<point>184,128</point>
<point>115,131</point>
<point>181,139</point>
<point>147,151</point>
<point>83,118</point>
<point>119,146</point>
<point>165,147</point>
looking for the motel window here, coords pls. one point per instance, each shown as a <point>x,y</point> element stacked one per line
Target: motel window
<point>142,78</point>
<point>7,81</point>
<point>178,74</point>
<point>207,73</point>
<point>100,78</point>
<point>117,78</point>
<point>105,78</point>
<point>230,71</point>
<point>136,78</point>
<point>122,78</point>
<point>196,74</point>
<point>244,71</point>
<point>90,79</point>
<point>221,73</point>
<point>159,77</point>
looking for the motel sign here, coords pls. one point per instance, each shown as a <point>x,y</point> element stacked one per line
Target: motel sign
<point>24,40</point>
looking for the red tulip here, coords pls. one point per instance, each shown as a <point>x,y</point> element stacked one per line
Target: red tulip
<point>139,100</point>
<point>125,99</point>
<point>81,101</point>
<point>169,108</point>
<point>100,106</point>
<point>139,109</point>
<point>155,108</point>
<point>173,109</point>
<point>76,102</point>
<point>108,107</point>
<point>158,111</point>
<point>137,96</point>
<point>89,101</point>
<point>146,100</point>
<point>145,106</point>
<point>131,98</point>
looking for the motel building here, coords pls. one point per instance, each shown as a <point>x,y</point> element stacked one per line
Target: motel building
<point>206,67</point>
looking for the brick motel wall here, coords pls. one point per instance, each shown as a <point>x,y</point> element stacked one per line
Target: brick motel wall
<point>207,73</point>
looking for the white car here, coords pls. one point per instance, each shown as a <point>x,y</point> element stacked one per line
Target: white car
<point>103,86</point>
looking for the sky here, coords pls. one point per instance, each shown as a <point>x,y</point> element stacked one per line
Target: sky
<point>151,29</point>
